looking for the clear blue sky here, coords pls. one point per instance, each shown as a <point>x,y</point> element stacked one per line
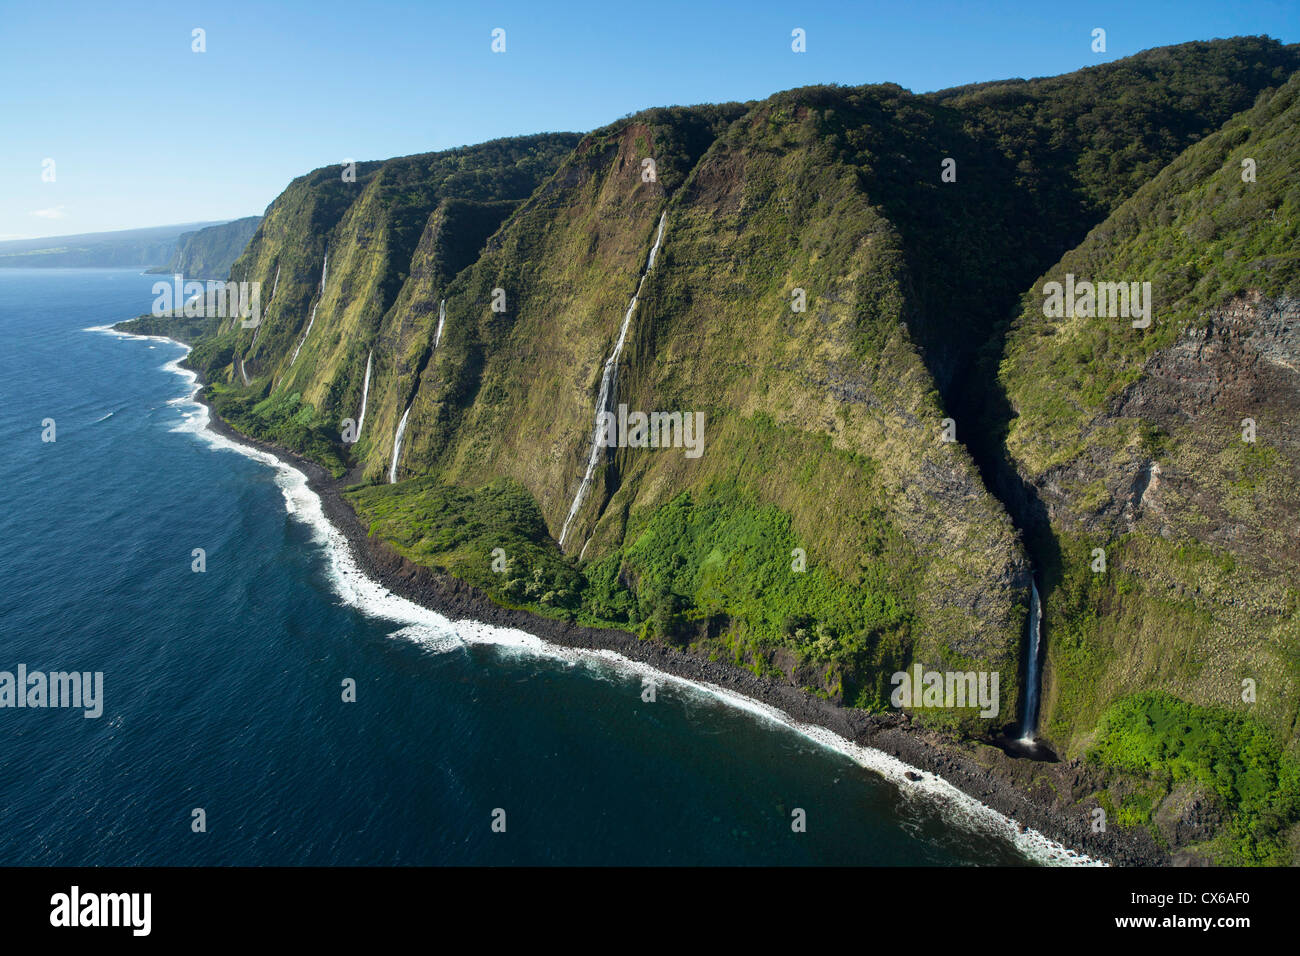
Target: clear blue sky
<point>145,132</point>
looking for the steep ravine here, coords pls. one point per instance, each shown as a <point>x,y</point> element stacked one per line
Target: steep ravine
<point>479,323</point>
<point>1036,796</point>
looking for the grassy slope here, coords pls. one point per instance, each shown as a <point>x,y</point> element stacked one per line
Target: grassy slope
<point>209,253</point>
<point>1200,591</point>
<point>836,450</point>
<point>820,425</point>
<point>371,229</point>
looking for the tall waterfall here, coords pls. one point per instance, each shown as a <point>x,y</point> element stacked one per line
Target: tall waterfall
<point>303,341</point>
<point>608,390</point>
<point>401,426</point>
<point>1029,723</point>
<point>274,287</point>
<point>242,373</point>
<point>312,321</point>
<point>365,390</point>
<point>397,446</point>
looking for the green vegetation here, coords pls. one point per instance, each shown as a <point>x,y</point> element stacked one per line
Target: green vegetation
<point>173,327</point>
<point>1199,234</point>
<point>128,248</point>
<point>284,420</point>
<point>460,531</point>
<point>922,302</point>
<point>718,570</point>
<point>209,253</point>
<point>726,565</point>
<point>1232,755</point>
<point>1198,594</point>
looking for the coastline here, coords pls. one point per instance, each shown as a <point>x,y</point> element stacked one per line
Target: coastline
<point>1040,817</point>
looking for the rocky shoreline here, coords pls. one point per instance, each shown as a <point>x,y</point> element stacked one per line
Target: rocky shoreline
<point>1040,796</point>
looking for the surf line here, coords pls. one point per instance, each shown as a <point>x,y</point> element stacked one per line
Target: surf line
<point>372,598</point>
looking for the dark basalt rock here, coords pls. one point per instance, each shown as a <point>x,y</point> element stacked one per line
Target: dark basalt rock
<point>999,781</point>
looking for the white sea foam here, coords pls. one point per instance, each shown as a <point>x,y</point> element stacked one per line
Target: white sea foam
<point>440,634</point>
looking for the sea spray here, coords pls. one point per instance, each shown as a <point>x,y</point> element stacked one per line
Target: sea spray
<point>435,632</point>
<point>608,390</point>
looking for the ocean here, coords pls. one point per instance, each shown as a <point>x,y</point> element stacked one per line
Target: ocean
<point>223,690</point>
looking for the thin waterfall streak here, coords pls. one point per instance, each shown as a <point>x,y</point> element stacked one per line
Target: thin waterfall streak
<point>397,446</point>
<point>312,321</point>
<point>609,389</point>
<point>274,288</point>
<point>401,426</point>
<point>303,341</point>
<point>365,390</point>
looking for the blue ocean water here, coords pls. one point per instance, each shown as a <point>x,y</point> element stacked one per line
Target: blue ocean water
<point>222,689</point>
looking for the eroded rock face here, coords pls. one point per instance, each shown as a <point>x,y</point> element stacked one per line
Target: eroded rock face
<point>1193,397</point>
<point>1187,816</point>
<point>1246,356</point>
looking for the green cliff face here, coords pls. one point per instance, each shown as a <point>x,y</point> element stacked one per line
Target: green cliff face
<point>1172,448</point>
<point>297,375</point>
<point>822,429</point>
<point>833,309</point>
<point>209,253</point>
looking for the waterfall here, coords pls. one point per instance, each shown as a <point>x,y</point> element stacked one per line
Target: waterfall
<point>312,321</point>
<point>274,286</point>
<point>365,390</point>
<point>401,426</point>
<point>242,373</point>
<point>397,446</point>
<point>1035,626</point>
<point>608,389</point>
<point>303,341</point>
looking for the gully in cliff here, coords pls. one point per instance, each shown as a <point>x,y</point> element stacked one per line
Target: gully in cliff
<point>1027,743</point>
